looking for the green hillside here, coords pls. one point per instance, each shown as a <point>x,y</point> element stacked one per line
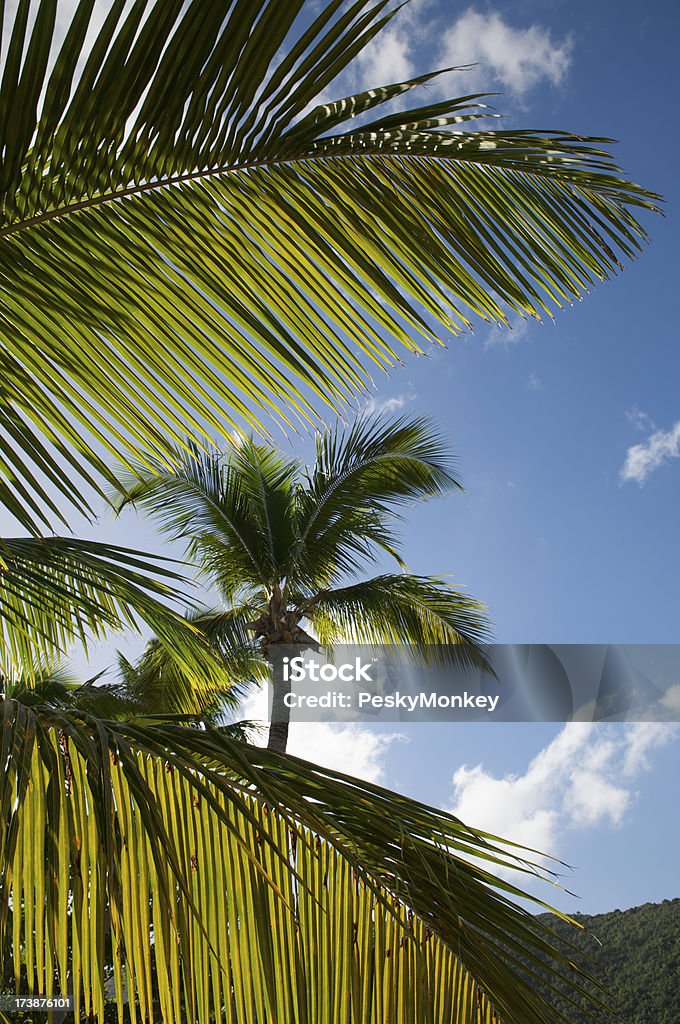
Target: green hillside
<point>638,960</point>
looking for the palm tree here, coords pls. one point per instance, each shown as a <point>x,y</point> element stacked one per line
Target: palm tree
<point>156,685</point>
<point>188,242</point>
<point>273,889</point>
<point>287,546</point>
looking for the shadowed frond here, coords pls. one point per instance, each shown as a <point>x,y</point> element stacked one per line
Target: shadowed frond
<point>363,475</point>
<point>105,700</point>
<point>162,685</point>
<point>43,684</point>
<point>186,241</point>
<point>276,890</point>
<point>241,500</point>
<point>439,625</point>
<point>57,591</point>
<point>156,687</point>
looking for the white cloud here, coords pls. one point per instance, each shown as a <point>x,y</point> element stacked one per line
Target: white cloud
<point>386,59</point>
<point>517,58</point>
<point>649,736</point>
<point>375,406</point>
<point>534,383</point>
<point>507,334</point>
<point>670,701</point>
<point>349,747</point>
<point>592,799</point>
<point>582,779</point>
<point>639,419</point>
<point>642,459</point>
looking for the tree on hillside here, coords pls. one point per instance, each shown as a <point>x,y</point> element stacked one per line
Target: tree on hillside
<point>287,546</point>
<point>191,240</point>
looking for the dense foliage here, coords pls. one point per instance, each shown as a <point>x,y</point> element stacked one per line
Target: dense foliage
<point>637,954</point>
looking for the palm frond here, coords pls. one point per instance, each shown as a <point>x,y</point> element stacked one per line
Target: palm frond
<point>105,700</point>
<point>48,684</point>
<point>438,624</point>
<point>397,460</point>
<point>241,499</point>
<point>362,476</point>
<point>184,244</point>
<point>275,890</point>
<point>267,479</point>
<point>57,591</point>
<point>161,685</point>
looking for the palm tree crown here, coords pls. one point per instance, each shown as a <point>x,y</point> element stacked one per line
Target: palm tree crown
<point>289,545</point>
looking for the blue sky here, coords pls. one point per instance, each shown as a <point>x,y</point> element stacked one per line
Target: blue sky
<point>568,439</point>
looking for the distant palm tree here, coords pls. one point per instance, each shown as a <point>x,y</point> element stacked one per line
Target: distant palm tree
<point>156,685</point>
<point>287,546</point>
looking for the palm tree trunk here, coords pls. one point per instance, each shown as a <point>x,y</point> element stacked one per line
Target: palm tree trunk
<point>280,717</point>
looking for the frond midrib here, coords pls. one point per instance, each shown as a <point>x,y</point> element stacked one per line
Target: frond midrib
<point>103,199</point>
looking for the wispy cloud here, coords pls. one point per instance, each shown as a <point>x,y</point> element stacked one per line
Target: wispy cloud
<point>508,335</point>
<point>534,383</point>
<point>387,58</point>
<point>639,419</point>
<point>375,406</point>
<point>516,58</point>
<point>642,459</point>
<point>584,778</point>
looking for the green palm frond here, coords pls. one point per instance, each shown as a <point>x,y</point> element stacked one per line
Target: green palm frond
<point>276,890</point>
<point>105,700</point>
<point>439,625</point>
<point>363,475</point>
<point>185,244</point>
<point>161,685</point>
<point>44,683</point>
<point>158,686</point>
<point>57,591</point>
<point>241,500</point>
